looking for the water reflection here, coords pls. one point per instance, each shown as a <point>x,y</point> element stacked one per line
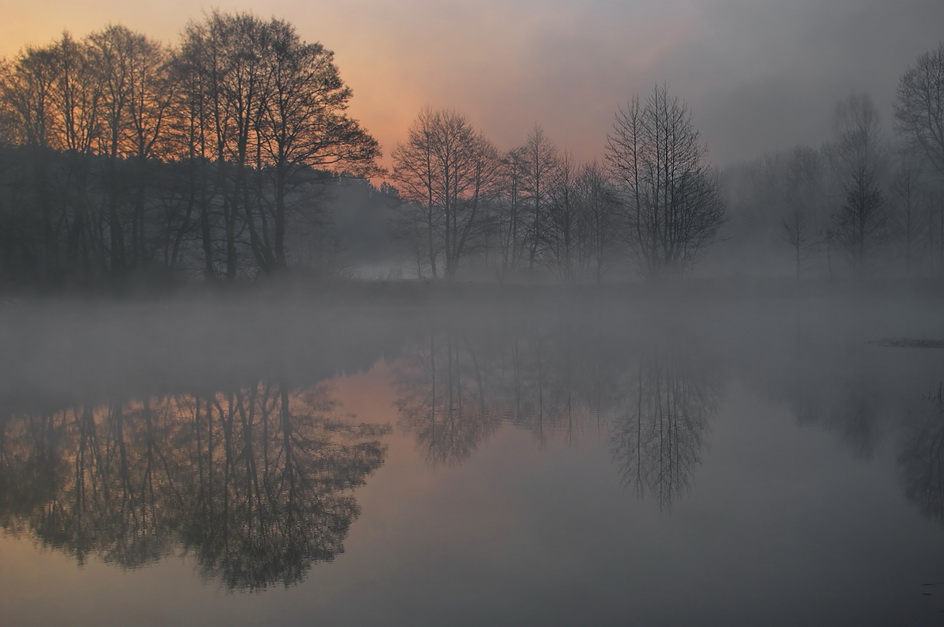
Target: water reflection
<point>441,397</point>
<point>843,389</point>
<point>921,457</point>
<point>253,482</point>
<point>655,395</point>
<point>657,439</point>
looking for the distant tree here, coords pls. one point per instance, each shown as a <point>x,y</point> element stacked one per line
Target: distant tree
<point>859,157</point>
<point>597,206</point>
<point>919,113</point>
<point>540,162</point>
<point>507,224</point>
<point>415,174</point>
<point>803,196</point>
<point>560,235</point>
<point>447,169</point>
<point>919,110</point>
<point>669,195</point>
<point>908,196</point>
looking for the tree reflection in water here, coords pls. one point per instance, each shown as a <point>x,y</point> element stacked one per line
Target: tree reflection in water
<point>657,437</point>
<point>921,458</point>
<point>254,483</point>
<point>657,399</point>
<point>441,397</point>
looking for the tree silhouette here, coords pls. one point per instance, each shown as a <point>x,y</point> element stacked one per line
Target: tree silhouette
<point>919,109</point>
<point>803,197</point>
<point>130,157</point>
<point>858,155</point>
<point>669,197</point>
<point>447,171</point>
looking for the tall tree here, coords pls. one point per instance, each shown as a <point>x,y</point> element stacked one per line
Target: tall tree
<point>225,51</point>
<point>540,162</point>
<point>508,219</point>
<point>415,173</point>
<point>598,219</point>
<point>304,123</point>
<point>859,157</point>
<point>669,195</point>
<point>919,110</point>
<point>803,196</point>
<point>908,195</point>
<point>27,87</point>
<point>446,169</point>
<point>130,79</point>
<point>27,90</point>
<point>561,231</point>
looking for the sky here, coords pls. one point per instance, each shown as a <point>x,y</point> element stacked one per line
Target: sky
<point>758,75</point>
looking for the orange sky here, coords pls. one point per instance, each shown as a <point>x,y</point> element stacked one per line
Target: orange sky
<point>758,74</point>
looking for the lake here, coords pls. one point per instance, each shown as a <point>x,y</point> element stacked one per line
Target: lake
<point>445,455</point>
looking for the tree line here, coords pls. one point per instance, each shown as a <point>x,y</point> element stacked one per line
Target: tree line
<point>122,157</point>
<point>653,202</point>
<point>864,202</point>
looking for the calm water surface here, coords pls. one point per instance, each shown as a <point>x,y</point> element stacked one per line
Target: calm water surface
<point>599,461</point>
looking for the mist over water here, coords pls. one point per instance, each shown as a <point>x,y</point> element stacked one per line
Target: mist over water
<point>598,315</point>
<point>559,455</point>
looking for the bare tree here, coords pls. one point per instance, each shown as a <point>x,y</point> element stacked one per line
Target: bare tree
<point>803,196</point>
<point>414,172</point>
<point>447,169</point>
<point>27,94</point>
<point>919,113</point>
<point>561,232</point>
<point>540,162</point>
<point>76,96</point>
<point>304,124</point>
<point>225,52</point>
<point>114,51</point>
<point>131,156</point>
<point>597,206</point>
<point>909,199</point>
<point>508,219</point>
<point>669,195</point>
<point>27,91</point>
<point>859,158</point>
<point>920,107</point>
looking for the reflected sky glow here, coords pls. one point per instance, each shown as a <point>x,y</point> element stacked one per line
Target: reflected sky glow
<point>521,465</point>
